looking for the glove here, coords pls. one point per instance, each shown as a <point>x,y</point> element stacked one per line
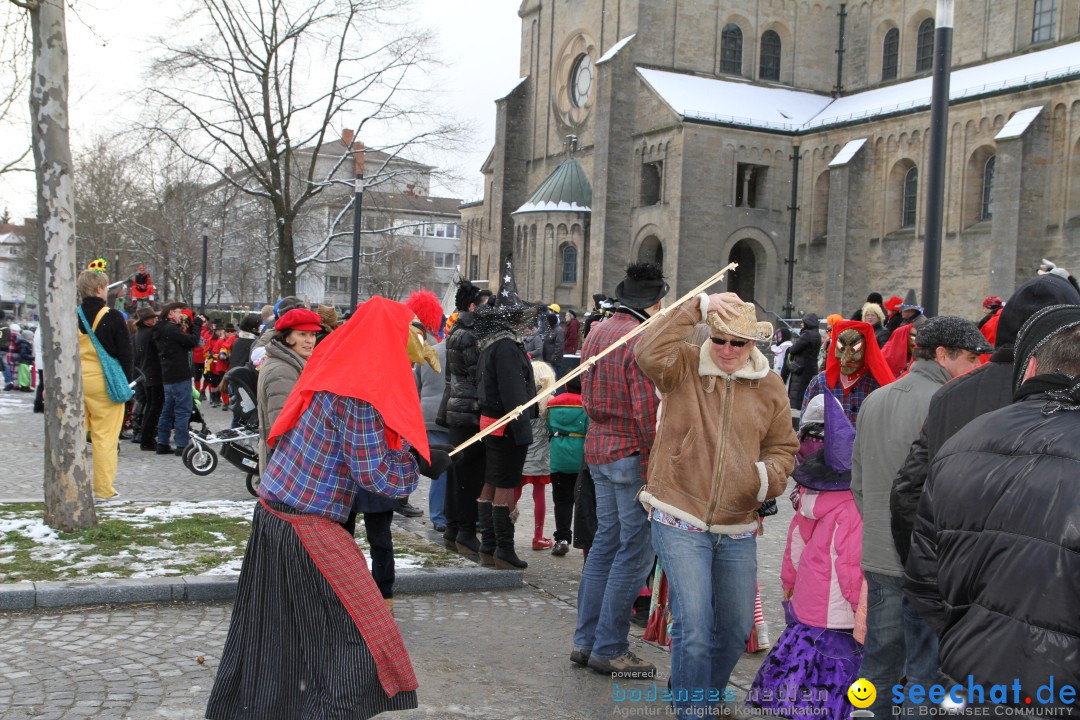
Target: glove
<point>440,460</point>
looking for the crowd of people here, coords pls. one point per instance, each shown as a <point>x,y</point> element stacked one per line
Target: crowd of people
<point>932,460</point>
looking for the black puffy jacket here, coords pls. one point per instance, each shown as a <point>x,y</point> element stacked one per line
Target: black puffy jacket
<point>995,556</point>
<point>957,403</point>
<point>460,406</point>
<point>506,382</point>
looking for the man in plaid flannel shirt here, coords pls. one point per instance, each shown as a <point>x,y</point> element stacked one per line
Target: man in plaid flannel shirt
<point>621,403</point>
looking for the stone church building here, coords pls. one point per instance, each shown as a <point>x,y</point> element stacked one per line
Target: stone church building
<point>699,132</point>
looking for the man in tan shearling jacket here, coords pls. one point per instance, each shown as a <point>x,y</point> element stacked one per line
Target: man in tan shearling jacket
<point>727,446</point>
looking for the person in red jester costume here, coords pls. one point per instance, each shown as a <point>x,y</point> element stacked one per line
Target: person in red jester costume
<point>854,368</point>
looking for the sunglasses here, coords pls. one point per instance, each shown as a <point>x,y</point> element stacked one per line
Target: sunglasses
<point>734,343</point>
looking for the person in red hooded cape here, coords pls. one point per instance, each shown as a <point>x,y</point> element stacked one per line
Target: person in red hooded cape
<point>310,635</point>
<point>854,367</point>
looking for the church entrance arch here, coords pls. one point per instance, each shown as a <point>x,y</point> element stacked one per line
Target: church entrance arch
<point>743,279</point>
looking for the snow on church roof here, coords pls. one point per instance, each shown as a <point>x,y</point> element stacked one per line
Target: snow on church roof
<point>739,102</point>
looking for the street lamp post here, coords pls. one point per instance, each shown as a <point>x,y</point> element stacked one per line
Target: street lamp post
<point>939,133</point>
<point>793,208</point>
<point>205,245</point>
<point>358,197</point>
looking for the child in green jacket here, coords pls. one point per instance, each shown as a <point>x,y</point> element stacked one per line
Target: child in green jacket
<point>567,424</point>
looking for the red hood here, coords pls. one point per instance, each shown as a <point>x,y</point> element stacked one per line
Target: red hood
<point>365,359</point>
<point>875,361</point>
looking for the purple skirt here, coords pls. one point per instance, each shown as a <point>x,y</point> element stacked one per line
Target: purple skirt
<point>808,667</point>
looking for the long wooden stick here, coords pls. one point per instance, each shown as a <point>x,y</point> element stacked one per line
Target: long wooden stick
<point>580,369</point>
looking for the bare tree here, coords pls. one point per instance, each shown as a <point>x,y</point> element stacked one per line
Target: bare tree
<point>15,60</point>
<point>262,88</point>
<point>394,265</point>
<point>67,487</point>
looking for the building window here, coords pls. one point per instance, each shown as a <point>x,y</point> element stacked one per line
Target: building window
<point>1042,22</point>
<point>731,49</point>
<point>911,196</point>
<point>651,174</point>
<point>569,264</point>
<point>474,266</point>
<point>988,189</point>
<point>890,55</point>
<point>337,284</point>
<point>770,56</point>
<point>750,185</point>
<point>924,46</point>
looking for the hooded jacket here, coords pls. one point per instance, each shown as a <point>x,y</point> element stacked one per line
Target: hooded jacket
<point>995,555</point>
<point>821,561</point>
<point>726,439</point>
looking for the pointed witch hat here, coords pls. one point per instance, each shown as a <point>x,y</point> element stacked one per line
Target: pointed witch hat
<point>839,435</point>
<point>910,303</point>
<point>506,310</point>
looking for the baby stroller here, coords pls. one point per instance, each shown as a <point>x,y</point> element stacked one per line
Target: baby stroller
<point>238,445</point>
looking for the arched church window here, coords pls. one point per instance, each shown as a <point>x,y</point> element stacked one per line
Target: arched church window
<point>890,55</point>
<point>569,264</point>
<point>770,56</point>
<point>924,46</point>
<point>988,189</point>
<point>731,49</point>
<point>911,197</point>
<point>1042,21</point>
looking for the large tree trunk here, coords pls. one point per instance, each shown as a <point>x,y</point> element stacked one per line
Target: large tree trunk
<point>69,502</point>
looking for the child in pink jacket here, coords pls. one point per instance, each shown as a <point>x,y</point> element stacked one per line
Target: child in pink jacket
<point>817,658</point>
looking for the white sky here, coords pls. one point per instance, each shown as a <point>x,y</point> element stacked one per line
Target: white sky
<point>477,42</point>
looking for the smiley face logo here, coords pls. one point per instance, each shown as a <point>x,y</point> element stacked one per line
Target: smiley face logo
<point>862,693</point>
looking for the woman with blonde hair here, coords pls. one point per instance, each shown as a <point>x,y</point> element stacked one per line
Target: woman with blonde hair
<point>104,417</point>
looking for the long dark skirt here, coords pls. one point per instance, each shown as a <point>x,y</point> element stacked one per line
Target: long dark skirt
<point>293,651</point>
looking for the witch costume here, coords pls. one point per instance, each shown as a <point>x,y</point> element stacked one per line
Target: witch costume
<point>816,658</point>
<point>310,635</point>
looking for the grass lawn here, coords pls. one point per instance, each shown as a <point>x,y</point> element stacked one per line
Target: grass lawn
<point>143,539</point>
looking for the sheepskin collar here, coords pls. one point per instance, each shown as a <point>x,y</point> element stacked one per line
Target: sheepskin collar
<point>755,368</point>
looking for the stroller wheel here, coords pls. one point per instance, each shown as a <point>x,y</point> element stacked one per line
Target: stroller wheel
<point>191,448</point>
<point>252,481</point>
<point>201,461</point>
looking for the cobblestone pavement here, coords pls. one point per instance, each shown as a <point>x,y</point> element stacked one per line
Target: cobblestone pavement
<point>139,476</point>
<point>491,655</point>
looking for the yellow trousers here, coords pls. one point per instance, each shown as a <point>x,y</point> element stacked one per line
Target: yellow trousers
<point>104,419</point>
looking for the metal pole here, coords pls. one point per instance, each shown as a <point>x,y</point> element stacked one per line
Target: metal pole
<point>939,132</point>
<point>205,245</point>
<point>789,306</point>
<point>358,202</point>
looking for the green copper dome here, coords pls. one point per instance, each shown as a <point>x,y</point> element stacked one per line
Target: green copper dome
<point>565,190</point>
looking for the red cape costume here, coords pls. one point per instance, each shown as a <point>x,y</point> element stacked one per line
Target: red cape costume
<point>874,361</point>
<point>365,359</point>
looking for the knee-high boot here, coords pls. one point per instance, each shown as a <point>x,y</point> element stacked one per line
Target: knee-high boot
<point>466,541</point>
<point>487,532</point>
<point>505,555</point>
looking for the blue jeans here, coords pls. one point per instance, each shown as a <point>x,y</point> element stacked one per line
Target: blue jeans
<point>712,583</point>
<point>175,413</point>
<point>437,493</point>
<point>618,562</point>
<point>898,641</point>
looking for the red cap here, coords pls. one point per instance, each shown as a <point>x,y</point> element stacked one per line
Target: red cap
<point>299,319</point>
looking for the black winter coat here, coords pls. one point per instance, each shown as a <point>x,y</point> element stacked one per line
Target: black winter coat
<point>995,556</point>
<point>460,405</point>
<point>112,331</point>
<point>957,403</point>
<point>553,346</point>
<point>146,357</point>
<point>240,352</point>
<point>174,348</point>
<point>802,365</point>
<point>506,381</point>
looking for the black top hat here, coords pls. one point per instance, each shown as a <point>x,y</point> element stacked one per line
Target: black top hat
<point>642,287</point>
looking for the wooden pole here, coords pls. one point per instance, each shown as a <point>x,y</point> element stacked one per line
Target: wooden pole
<point>580,369</point>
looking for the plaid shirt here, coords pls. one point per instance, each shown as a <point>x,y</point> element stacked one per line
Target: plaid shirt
<point>336,448</point>
<point>851,400</point>
<point>619,398</point>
